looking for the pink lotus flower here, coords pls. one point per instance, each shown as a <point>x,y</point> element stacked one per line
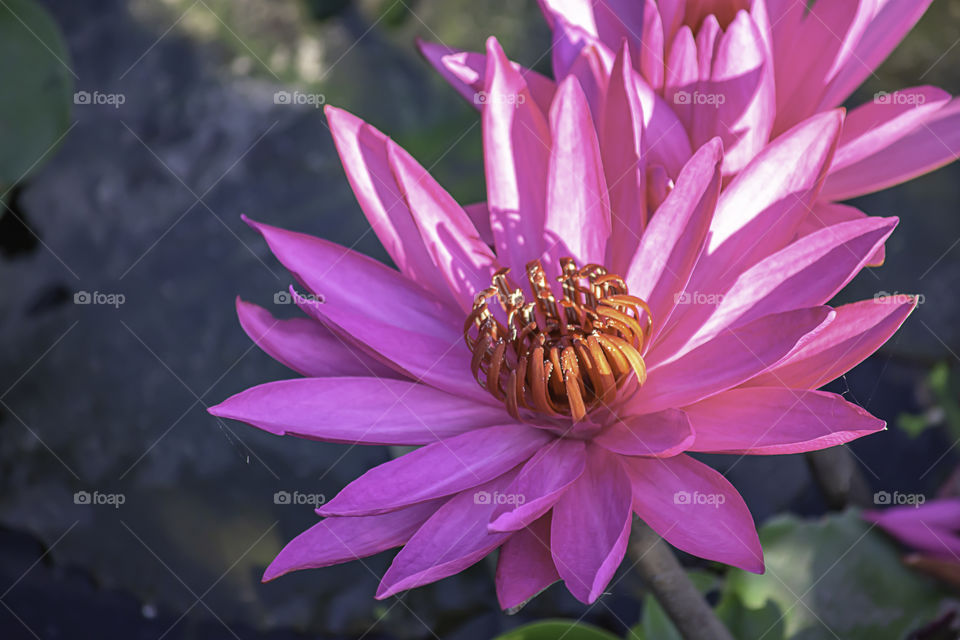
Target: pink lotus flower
<point>731,68</point>
<point>556,352</point>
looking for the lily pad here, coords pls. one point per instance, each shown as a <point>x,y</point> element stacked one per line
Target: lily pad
<point>835,577</point>
<point>37,88</point>
<point>553,629</point>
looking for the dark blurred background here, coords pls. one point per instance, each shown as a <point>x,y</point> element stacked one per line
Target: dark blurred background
<point>132,196</point>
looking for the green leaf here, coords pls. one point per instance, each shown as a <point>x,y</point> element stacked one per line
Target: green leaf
<point>913,424</point>
<point>833,577</point>
<point>553,629</point>
<point>745,622</point>
<point>944,385</point>
<point>37,88</point>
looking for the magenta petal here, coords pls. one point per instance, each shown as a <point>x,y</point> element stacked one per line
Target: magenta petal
<point>652,46</point>
<point>774,420</point>
<point>591,525</point>
<point>806,273</point>
<point>741,72</point>
<point>933,144</point>
<point>306,346</point>
<point>540,483</point>
<point>577,222</point>
<point>591,69</point>
<point>932,527</point>
<point>624,164</point>
<point>732,357</point>
<point>576,51</point>
<point>363,152</point>
<point>516,144</point>
<point>525,566</point>
<point>873,126</point>
<point>857,331</point>
<point>381,309</point>
<point>667,140</point>
<point>884,31</point>
<point>335,540</point>
<point>823,32</point>
<point>827,214</point>
<point>695,509</point>
<point>437,470</point>
<point>358,410</point>
<point>479,214</point>
<point>675,236</point>
<point>450,237</point>
<point>610,21</point>
<point>333,272</point>
<point>466,72</point>
<point>758,214</point>
<point>662,435</point>
<point>454,538</point>
<point>761,208</point>
<point>683,74</point>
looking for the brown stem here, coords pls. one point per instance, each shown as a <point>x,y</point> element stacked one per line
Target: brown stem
<point>663,575</point>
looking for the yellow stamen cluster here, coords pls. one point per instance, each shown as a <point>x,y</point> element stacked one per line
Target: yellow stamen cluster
<point>558,357</point>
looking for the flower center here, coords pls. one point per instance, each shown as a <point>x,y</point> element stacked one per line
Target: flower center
<point>558,356</point>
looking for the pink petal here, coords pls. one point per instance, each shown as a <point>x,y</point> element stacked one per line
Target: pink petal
<point>660,435</point>
<point>940,513</point>
<point>568,43</point>
<point>933,144</point>
<point>609,21</point>
<point>743,75</point>
<point>479,214</point>
<point>591,70</point>
<point>380,308</point>
<point>466,72</point>
<point>732,357</point>
<point>624,164</point>
<point>672,242</point>
<point>591,525</point>
<point>887,26</point>
<point>652,46</point>
<point>437,470</point>
<point>525,566</point>
<point>707,39</point>
<point>695,509</point>
<point>873,126</point>
<point>306,346</point>
<point>358,410</point>
<point>577,223</point>
<point>827,214</point>
<point>824,33</point>
<point>516,142</point>
<point>806,273</point>
<point>757,215</point>
<point>454,538</point>
<point>683,73</point>
<point>452,241</point>
<point>363,152</point>
<point>541,482</point>
<point>335,540</point>
<point>671,15</point>
<point>857,331</point>
<point>761,208</point>
<point>932,527</point>
<point>774,420</point>
<point>666,138</point>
